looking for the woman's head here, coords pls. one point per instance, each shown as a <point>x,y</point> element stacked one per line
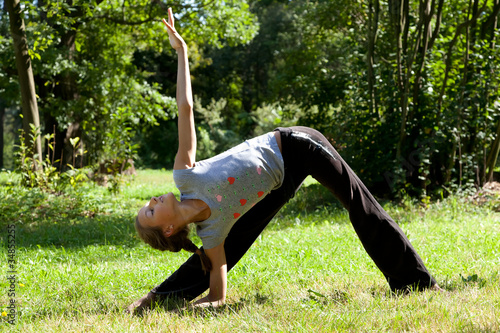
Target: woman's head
<point>155,237</point>
<point>160,213</point>
<point>156,226</point>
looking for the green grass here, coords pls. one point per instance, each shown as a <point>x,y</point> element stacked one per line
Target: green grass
<point>79,264</point>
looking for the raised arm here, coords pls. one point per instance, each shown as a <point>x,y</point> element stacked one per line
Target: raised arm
<point>186,153</point>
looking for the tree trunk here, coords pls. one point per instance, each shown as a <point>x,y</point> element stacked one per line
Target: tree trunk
<point>373,16</point>
<point>493,155</point>
<point>26,81</point>
<point>456,141</point>
<point>398,18</point>
<point>489,26</point>
<point>66,89</point>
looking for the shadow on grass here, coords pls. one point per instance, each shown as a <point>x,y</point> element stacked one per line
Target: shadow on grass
<point>86,217</point>
<point>70,220</point>
<point>180,306</point>
<point>78,232</point>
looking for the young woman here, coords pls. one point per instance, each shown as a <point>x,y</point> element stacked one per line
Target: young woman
<point>233,196</point>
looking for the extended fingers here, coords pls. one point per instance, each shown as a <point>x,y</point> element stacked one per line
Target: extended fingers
<point>170,22</point>
<point>166,23</point>
<point>170,27</point>
<point>170,17</point>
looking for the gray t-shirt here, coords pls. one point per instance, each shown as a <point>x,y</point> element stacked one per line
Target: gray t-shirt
<point>231,183</point>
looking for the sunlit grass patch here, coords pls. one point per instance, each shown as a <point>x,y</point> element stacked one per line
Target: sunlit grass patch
<point>148,183</point>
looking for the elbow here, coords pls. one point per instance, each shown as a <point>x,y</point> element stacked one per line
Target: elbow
<point>185,106</point>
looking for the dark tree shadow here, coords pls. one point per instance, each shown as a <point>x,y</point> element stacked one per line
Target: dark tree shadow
<point>74,221</point>
<point>181,306</point>
<point>70,221</point>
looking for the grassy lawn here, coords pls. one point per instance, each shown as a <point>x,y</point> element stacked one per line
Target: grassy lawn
<point>78,264</point>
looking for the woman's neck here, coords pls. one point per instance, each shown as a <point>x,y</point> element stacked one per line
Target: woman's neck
<point>196,210</point>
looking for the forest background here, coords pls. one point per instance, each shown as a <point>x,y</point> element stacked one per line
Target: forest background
<point>406,90</point>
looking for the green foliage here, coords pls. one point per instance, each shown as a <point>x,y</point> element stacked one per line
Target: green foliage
<point>474,279</point>
<point>269,116</point>
<point>82,53</point>
<point>414,113</point>
<point>42,173</point>
<point>159,144</point>
<point>214,136</point>
<point>34,173</point>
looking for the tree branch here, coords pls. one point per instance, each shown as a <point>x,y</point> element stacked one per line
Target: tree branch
<point>122,21</point>
<point>151,17</point>
<point>458,32</point>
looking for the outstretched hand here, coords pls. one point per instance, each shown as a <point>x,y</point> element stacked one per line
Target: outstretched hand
<point>175,39</point>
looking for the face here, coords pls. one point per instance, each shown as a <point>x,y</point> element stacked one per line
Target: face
<point>160,212</point>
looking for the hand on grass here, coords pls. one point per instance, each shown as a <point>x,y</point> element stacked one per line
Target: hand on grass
<point>437,288</point>
<point>206,303</point>
<point>145,302</point>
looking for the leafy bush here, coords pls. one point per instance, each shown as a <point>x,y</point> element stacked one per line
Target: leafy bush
<point>41,173</point>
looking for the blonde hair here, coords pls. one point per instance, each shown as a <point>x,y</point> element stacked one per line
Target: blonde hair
<point>178,241</point>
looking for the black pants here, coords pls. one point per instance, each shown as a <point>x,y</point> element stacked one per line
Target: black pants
<point>307,152</point>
